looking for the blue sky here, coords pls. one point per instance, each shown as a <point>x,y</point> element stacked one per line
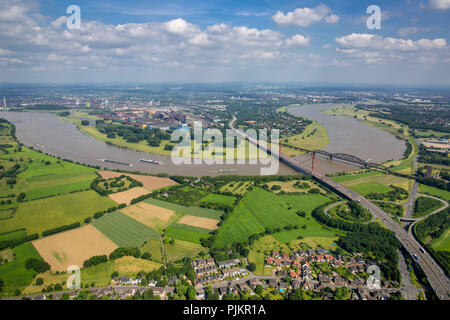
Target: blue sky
<point>220,40</point>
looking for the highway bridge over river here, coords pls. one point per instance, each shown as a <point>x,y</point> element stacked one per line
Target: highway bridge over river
<point>435,275</point>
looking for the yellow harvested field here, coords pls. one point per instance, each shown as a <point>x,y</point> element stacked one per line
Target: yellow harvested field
<point>200,222</point>
<point>127,196</point>
<point>73,247</point>
<point>148,214</point>
<point>149,182</point>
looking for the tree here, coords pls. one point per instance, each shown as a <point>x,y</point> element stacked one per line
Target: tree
<point>39,281</point>
<point>85,122</point>
<point>259,289</point>
<point>147,256</point>
<point>251,267</point>
<point>191,294</point>
<point>1,285</point>
<point>115,274</point>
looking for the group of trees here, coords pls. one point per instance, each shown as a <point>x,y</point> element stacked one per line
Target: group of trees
<point>40,266</point>
<point>95,260</point>
<point>396,193</point>
<point>426,156</point>
<point>355,212</point>
<point>105,186</point>
<point>424,205</point>
<point>415,118</point>
<point>434,226</point>
<point>15,242</point>
<point>60,229</point>
<point>133,134</point>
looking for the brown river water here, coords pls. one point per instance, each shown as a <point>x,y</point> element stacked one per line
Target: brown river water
<point>46,132</point>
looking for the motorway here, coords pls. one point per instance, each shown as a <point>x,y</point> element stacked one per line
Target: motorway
<point>436,277</point>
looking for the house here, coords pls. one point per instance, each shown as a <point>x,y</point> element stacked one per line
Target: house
<point>152,283</point>
<point>323,278</point>
<point>222,290</point>
<point>338,280</point>
<point>127,281</point>
<point>234,290</point>
<point>273,282</point>
<point>234,272</point>
<point>228,263</point>
<point>253,283</point>
<point>172,280</point>
<point>159,291</point>
<point>203,263</point>
<point>200,294</point>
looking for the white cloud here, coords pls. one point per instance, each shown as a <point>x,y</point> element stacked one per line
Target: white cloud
<point>180,27</point>
<point>371,48</point>
<point>372,41</point>
<point>297,40</point>
<point>332,19</point>
<point>440,4</point>
<point>305,17</point>
<point>59,22</point>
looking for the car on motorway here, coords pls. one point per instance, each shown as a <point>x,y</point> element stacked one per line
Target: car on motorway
<point>416,257</point>
<point>421,250</point>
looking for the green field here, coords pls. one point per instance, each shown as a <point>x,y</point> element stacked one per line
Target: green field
<point>219,199</point>
<point>443,194</point>
<point>12,235</point>
<point>186,233</point>
<point>350,177</point>
<point>14,274</point>
<point>261,209</point>
<point>123,230</point>
<point>429,133</point>
<point>46,176</point>
<point>372,182</point>
<point>442,243</point>
<point>181,249</point>
<point>174,252</point>
<point>154,248</point>
<point>43,214</point>
<point>193,211</point>
<point>314,137</point>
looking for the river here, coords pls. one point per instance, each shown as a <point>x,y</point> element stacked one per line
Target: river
<point>349,135</point>
<point>47,132</point>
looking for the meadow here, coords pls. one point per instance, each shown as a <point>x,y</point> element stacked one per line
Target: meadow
<point>192,210</point>
<point>46,176</point>
<point>186,233</point>
<point>314,137</point>
<point>372,182</point>
<point>14,274</point>
<point>219,199</point>
<point>261,209</point>
<point>442,243</point>
<point>38,215</point>
<point>123,230</point>
<point>443,194</point>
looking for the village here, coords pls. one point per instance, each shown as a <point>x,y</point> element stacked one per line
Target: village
<point>315,271</point>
